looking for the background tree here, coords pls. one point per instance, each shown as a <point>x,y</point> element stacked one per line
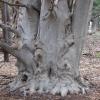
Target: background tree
<point>51,34</point>
<point>96,15</point>
<point>96,7</point>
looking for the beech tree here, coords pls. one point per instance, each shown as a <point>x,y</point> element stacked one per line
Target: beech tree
<point>51,34</point>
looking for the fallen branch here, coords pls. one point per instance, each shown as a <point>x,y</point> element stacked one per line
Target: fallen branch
<point>7,27</point>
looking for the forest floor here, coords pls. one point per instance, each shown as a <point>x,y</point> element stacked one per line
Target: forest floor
<point>89,68</point>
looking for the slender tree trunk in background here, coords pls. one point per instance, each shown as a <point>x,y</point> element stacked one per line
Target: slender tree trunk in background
<point>51,42</point>
<point>6,34</point>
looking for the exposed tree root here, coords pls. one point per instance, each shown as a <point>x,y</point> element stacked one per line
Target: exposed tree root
<point>45,84</point>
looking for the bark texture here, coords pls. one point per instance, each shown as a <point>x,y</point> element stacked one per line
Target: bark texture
<point>51,42</point>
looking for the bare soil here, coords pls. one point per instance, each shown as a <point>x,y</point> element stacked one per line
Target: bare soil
<point>89,69</point>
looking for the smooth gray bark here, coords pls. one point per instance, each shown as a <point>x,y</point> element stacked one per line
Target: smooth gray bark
<point>80,26</point>
<point>51,44</point>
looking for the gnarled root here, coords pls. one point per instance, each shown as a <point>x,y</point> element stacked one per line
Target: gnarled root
<point>68,86</point>
<point>44,84</point>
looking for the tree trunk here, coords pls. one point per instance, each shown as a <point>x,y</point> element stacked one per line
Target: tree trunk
<point>6,34</point>
<point>51,43</point>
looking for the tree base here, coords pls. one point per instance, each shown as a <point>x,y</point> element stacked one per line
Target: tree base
<point>43,84</point>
